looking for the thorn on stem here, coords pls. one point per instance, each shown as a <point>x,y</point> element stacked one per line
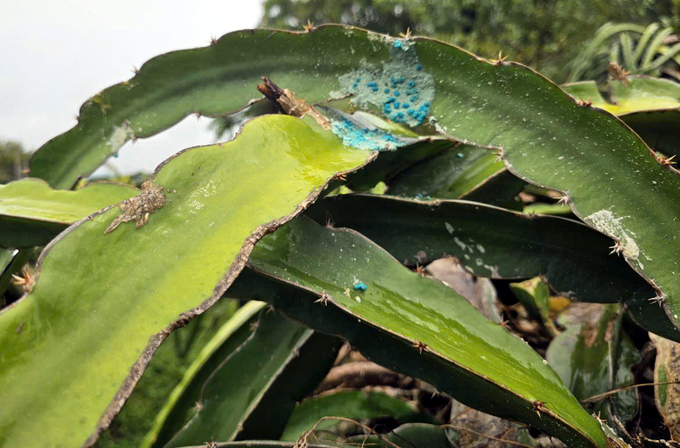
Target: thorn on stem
<point>617,248</point>
<point>539,406</point>
<point>565,200</point>
<point>420,346</point>
<point>323,299</point>
<point>26,281</point>
<point>666,161</point>
<point>584,103</point>
<point>500,59</point>
<point>658,299</point>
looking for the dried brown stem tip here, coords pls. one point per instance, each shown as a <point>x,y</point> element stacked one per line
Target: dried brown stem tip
<point>289,104</point>
<point>270,90</point>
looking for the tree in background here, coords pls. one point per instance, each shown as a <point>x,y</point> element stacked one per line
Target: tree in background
<point>13,160</point>
<point>543,34</point>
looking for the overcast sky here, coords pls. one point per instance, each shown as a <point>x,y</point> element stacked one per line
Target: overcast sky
<point>54,55</point>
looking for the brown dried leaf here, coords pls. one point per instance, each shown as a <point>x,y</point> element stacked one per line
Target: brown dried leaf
<point>473,429</point>
<point>617,73</point>
<point>667,370</point>
<point>478,291</point>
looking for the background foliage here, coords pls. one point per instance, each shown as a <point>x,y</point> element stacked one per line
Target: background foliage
<point>543,34</point>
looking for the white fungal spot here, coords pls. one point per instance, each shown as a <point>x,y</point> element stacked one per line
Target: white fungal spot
<point>374,37</point>
<point>606,222</point>
<point>438,127</point>
<point>206,190</point>
<point>336,95</point>
<point>119,136</point>
<point>195,206</point>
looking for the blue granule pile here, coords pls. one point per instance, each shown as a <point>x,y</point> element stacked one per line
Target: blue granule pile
<point>400,88</point>
<point>363,138</point>
<point>360,286</point>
